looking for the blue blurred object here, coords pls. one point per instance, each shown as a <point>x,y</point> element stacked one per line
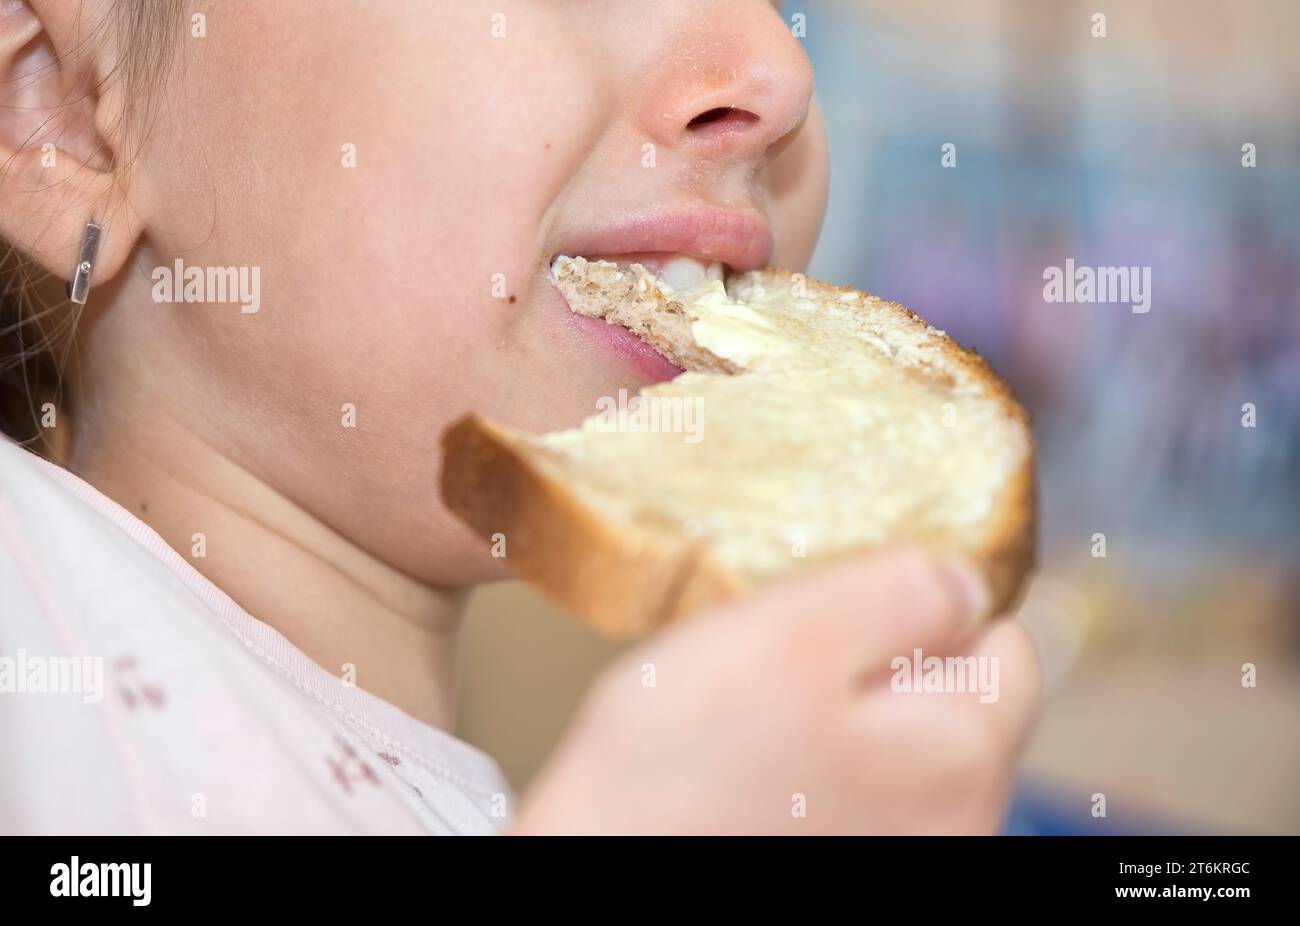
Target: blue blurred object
<point>1038,810</point>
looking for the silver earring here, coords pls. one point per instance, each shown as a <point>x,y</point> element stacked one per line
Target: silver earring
<point>80,284</point>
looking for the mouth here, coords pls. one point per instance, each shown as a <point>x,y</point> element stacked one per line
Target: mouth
<point>685,250</point>
<point>680,271</point>
<point>737,238</point>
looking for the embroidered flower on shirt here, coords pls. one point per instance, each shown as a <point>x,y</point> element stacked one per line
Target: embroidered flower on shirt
<point>133,688</point>
<point>349,767</point>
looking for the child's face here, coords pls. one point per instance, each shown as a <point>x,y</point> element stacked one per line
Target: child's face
<point>414,284</point>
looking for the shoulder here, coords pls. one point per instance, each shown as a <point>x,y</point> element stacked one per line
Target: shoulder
<point>126,704</point>
<point>66,550</point>
<point>61,574</point>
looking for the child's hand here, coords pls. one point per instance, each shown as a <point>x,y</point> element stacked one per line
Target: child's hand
<point>776,715</point>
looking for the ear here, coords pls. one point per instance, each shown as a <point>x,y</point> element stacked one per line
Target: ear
<point>58,161</point>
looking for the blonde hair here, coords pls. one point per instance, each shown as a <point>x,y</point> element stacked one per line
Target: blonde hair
<point>36,331</point>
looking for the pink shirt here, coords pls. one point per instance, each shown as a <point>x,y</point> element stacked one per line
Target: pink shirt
<point>136,697</point>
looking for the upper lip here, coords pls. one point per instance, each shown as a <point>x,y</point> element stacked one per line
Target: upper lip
<point>739,238</point>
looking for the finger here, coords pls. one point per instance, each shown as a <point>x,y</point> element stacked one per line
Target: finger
<point>1013,702</point>
<point>858,616</point>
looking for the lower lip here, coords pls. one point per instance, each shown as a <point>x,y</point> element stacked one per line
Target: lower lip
<point>644,360</point>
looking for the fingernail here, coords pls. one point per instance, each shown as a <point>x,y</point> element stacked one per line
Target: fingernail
<point>968,586</point>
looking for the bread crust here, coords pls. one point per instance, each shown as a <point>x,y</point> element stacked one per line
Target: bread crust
<point>623,580</point>
<point>626,580</point>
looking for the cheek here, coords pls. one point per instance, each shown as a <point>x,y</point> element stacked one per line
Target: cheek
<point>431,245</point>
<point>395,177</point>
<point>797,184</point>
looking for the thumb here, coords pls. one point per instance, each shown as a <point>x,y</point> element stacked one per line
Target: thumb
<point>861,614</point>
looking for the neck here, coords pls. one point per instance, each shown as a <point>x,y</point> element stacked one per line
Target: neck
<point>334,601</point>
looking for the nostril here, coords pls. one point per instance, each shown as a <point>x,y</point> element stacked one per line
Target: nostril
<point>722,116</point>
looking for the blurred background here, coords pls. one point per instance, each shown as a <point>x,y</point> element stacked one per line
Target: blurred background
<point>1120,150</point>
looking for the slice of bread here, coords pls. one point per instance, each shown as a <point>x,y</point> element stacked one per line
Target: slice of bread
<point>813,423</point>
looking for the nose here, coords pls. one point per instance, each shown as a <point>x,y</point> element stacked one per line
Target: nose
<point>734,83</point>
